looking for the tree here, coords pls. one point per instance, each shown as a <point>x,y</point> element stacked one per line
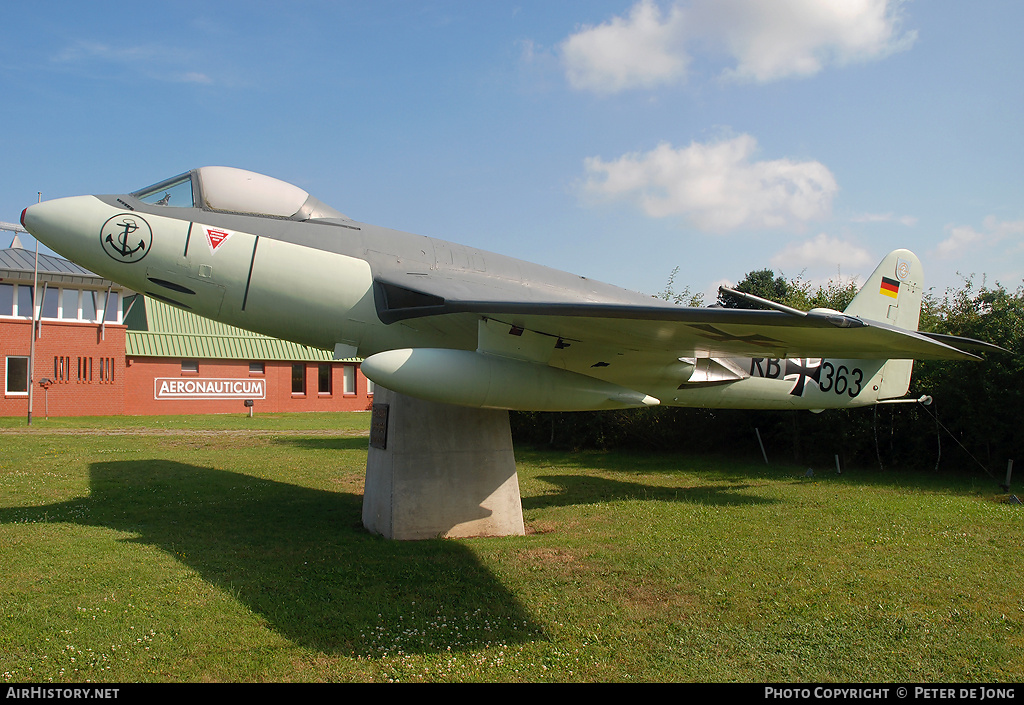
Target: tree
<point>834,294</point>
<point>761,283</point>
<point>981,404</point>
<point>686,297</point>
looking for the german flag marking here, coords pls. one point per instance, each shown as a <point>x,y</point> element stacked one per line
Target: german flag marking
<point>890,287</point>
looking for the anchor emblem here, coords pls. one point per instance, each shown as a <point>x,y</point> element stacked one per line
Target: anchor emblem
<point>129,226</point>
<point>126,238</point>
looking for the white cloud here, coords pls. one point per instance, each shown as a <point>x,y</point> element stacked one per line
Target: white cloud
<point>711,292</point>
<point>194,77</point>
<point>153,61</point>
<point>822,252</point>
<point>716,186</point>
<point>84,51</point>
<point>959,239</point>
<point>773,40</point>
<point>639,51</point>
<point>762,41</point>
<point>907,220</point>
<point>963,238</point>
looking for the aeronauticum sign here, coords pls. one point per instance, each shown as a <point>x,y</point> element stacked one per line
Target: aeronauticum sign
<point>178,388</point>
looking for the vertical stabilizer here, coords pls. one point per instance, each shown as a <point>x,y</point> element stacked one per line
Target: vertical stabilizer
<point>892,294</point>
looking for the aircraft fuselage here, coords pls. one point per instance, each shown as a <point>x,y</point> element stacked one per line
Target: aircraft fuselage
<point>456,324</point>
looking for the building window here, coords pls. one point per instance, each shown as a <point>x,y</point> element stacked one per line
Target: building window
<point>6,299</point>
<point>24,301</point>
<point>88,305</point>
<point>349,380</point>
<point>51,302</point>
<point>106,369</point>
<point>298,378</point>
<point>257,368</point>
<point>69,304</point>
<point>111,307</point>
<point>17,375</point>
<point>62,368</point>
<point>190,366</point>
<point>324,385</point>
<point>85,369</point>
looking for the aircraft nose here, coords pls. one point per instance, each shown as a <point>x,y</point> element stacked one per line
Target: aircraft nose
<point>49,221</point>
<point>68,226</point>
<point>94,234</point>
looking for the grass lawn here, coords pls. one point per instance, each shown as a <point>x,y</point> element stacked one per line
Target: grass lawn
<point>222,548</point>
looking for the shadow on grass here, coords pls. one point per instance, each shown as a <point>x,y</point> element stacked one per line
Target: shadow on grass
<point>961,480</point>
<point>300,558</point>
<point>582,489</point>
<point>648,462</point>
<point>326,443</point>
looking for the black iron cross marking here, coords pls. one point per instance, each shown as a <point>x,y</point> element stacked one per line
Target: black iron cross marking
<point>802,369</point>
<point>709,331</point>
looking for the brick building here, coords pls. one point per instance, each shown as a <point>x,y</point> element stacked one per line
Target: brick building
<point>102,350</point>
<point>180,363</point>
<point>78,341</point>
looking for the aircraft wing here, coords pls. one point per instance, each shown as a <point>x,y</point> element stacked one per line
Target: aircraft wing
<point>662,327</point>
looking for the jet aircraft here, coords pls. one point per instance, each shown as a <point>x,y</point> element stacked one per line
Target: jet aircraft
<point>453,324</point>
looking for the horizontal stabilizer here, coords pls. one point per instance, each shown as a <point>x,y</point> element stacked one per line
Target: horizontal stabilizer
<point>960,343</point>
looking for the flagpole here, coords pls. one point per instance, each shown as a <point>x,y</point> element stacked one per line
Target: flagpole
<point>32,344</point>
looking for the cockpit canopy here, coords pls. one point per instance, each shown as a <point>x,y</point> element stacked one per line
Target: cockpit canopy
<point>224,188</point>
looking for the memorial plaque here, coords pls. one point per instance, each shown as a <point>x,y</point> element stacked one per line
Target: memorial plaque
<point>379,427</point>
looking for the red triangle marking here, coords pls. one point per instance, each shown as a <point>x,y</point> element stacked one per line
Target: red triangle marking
<point>216,238</point>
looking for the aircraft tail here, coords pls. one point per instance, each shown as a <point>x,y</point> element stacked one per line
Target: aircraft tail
<point>892,294</point>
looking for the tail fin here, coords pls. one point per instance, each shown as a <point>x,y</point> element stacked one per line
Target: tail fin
<point>892,294</point>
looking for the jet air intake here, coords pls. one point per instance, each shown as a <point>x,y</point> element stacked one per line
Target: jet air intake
<point>466,378</point>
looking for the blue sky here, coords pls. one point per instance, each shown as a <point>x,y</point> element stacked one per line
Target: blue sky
<point>613,139</point>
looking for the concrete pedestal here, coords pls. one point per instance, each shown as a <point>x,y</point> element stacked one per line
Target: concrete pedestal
<point>436,470</point>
